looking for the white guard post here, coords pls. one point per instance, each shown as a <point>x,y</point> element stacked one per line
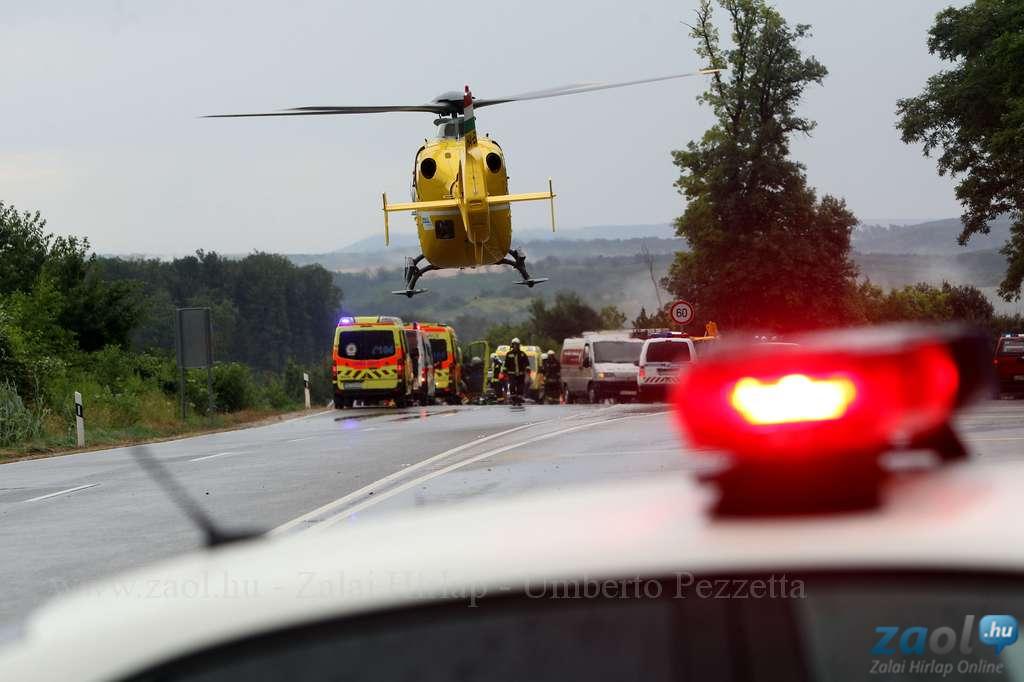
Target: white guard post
<point>305,383</point>
<point>79,420</point>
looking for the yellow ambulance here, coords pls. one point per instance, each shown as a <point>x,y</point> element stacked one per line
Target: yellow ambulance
<point>371,362</point>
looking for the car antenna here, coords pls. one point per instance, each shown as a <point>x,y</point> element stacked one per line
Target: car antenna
<point>214,536</point>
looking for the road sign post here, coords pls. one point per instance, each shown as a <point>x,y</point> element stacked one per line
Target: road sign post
<point>305,384</point>
<point>681,312</point>
<point>79,420</point>
<point>195,349</point>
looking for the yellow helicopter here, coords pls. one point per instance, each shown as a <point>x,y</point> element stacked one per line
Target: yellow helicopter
<point>461,201</point>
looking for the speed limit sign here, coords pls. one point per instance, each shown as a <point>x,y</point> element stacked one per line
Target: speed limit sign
<point>681,312</point>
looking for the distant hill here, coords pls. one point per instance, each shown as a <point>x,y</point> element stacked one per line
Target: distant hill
<point>549,245</point>
<point>935,237</point>
<point>408,240</point>
<point>399,240</point>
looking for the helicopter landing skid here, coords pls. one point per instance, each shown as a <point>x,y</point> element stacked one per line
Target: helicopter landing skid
<point>409,293</point>
<point>518,261</point>
<point>413,272</point>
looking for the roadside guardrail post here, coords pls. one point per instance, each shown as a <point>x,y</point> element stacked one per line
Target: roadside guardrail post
<point>305,384</point>
<point>79,420</point>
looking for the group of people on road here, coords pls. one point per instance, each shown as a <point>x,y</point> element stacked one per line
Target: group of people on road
<point>509,375</point>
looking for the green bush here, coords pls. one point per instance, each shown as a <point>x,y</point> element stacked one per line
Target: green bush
<point>233,387</point>
<point>275,395</point>
<point>321,386</point>
<point>18,423</point>
<point>292,379</point>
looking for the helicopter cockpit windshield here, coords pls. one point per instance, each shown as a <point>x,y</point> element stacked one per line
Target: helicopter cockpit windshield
<point>450,128</point>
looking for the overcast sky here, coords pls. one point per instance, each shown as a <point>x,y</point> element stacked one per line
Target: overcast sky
<point>100,104</point>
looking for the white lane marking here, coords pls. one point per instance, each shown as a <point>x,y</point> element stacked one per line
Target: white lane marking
<point>334,520</point>
<point>308,416</point>
<point>62,492</point>
<point>299,440</point>
<point>341,501</point>
<point>610,453</point>
<point>220,454</point>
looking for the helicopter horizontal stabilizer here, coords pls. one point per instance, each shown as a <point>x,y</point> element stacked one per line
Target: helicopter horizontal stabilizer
<point>421,205</point>
<point>529,196</point>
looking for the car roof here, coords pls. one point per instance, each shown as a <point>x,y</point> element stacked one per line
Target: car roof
<point>669,339</point>
<point>955,518</point>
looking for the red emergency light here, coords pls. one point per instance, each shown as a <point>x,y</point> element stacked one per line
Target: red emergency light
<point>791,416</point>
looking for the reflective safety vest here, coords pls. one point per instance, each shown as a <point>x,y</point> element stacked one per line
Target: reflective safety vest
<point>516,363</point>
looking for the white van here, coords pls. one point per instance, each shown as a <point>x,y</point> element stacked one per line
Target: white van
<point>600,365</point>
<point>661,360</point>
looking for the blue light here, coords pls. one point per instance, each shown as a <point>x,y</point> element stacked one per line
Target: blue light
<point>345,321</point>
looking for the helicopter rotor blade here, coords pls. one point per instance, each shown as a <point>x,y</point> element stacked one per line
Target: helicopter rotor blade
<point>585,87</point>
<point>453,105</point>
<point>328,111</point>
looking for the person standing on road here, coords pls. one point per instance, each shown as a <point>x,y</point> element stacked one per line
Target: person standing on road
<point>517,367</point>
<point>495,378</point>
<point>552,370</point>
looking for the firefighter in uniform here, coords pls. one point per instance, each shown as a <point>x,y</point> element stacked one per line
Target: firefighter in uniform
<point>552,370</point>
<point>517,368</point>
<point>495,378</point>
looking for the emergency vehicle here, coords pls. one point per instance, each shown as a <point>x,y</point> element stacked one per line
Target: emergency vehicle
<point>660,361</point>
<point>447,360</point>
<point>371,362</point>
<point>662,356</point>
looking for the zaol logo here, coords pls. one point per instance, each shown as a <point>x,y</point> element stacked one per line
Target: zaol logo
<point>998,631</point>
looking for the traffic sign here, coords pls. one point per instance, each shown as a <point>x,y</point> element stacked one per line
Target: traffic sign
<point>681,312</point>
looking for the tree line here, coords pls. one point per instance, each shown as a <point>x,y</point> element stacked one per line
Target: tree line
<point>265,309</point>
<point>104,327</point>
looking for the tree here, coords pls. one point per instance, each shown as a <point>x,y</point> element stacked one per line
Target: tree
<point>549,325</point>
<point>765,252</point>
<point>924,302</point>
<point>973,114</point>
<point>568,316</point>
<point>659,320</point>
<point>968,303</point>
<point>24,247</point>
<point>55,290</point>
<point>612,317</point>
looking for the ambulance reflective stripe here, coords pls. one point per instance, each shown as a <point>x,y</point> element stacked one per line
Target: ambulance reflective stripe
<point>668,379</point>
<point>354,374</point>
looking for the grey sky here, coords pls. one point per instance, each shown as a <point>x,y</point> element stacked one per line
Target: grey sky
<point>100,129</point>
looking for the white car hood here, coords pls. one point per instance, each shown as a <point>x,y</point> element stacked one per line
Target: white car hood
<point>109,629</point>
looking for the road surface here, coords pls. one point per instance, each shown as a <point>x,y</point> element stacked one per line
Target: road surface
<point>66,520</point>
